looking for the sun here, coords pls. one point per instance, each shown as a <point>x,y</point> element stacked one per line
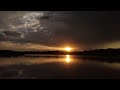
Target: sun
<point>68,49</point>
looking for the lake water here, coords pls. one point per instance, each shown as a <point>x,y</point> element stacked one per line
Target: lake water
<point>57,67</point>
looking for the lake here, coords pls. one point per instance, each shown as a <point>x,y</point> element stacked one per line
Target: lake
<point>57,67</point>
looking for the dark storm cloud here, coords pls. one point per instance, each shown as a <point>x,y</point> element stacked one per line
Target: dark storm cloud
<point>85,29</point>
<point>11,33</point>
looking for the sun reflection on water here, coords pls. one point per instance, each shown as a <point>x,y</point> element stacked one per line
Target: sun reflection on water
<point>68,58</point>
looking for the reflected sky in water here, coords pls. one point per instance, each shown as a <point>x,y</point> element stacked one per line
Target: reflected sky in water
<point>63,66</point>
<point>35,60</point>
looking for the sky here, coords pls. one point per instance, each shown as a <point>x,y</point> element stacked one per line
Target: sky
<point>54,30</point>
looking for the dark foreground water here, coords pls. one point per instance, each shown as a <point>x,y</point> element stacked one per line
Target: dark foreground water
<point>57,67</point>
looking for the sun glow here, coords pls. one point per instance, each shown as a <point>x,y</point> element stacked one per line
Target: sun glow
<point>68,49</point>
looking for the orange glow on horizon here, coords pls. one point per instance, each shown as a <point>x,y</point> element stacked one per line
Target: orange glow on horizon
<point>68,49</point>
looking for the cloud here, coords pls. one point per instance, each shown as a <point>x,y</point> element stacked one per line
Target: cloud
<point>18,24</point>
<point>26,46</point>
<point>84,29</point>
<point>11,33</point>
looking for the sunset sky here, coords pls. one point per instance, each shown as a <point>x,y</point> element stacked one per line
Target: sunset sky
<point>54,30</point>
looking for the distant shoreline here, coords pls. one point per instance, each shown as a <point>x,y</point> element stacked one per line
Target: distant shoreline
<point>98,53</point>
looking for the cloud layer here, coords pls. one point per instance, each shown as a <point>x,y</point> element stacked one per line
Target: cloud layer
<point>80,29</point>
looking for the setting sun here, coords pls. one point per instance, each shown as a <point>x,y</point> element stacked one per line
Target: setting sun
<point>68,49</point>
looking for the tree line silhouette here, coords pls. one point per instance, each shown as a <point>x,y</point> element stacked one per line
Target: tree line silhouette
<point>96,52</point>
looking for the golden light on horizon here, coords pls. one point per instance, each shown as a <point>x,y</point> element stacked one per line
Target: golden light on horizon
<point>68,49</point>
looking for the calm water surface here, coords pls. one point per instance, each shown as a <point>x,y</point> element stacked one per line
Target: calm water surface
<point>57,67</point>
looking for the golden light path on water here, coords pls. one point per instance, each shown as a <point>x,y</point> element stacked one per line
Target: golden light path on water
<point>68,58</point>
<point>65,59</point>
<point>35,60</point>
